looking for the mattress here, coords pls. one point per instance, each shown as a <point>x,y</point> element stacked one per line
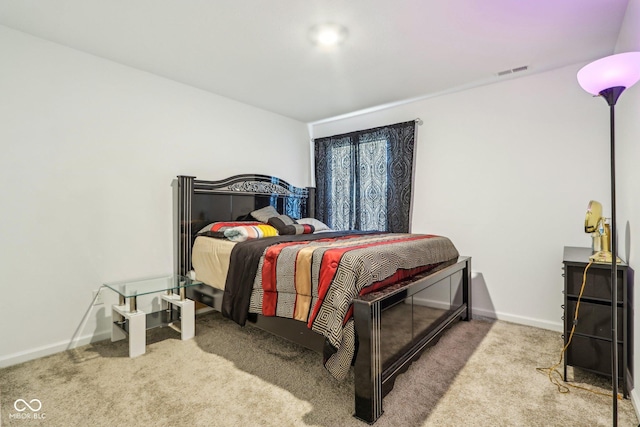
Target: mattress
<point>210,259</point>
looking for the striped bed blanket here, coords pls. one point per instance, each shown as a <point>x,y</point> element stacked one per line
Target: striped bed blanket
<point>314,279</point>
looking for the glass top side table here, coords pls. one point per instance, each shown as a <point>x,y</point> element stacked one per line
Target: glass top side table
<point>132,322</point>
<point>133,288</point>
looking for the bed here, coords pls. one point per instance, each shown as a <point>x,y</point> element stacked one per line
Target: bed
<point>375,309</point>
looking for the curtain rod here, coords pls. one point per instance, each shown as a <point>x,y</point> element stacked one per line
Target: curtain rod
<point>418,121</point>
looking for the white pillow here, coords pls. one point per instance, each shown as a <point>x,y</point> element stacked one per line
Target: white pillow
<point>318,225</point>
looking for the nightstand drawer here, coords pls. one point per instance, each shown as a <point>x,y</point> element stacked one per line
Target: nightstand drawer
<point>593,354</point>
<point>593,319</point>
<point>598,283</point>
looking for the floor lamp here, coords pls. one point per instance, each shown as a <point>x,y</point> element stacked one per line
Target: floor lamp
<point>608,77</point>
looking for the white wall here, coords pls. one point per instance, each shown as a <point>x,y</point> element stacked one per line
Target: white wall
<point>90,147</point>
<point>627,170</point>
<point>89,152</point>
<point>506,171</point>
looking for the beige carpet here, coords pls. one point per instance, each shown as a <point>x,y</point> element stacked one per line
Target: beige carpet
<point>480,373</point>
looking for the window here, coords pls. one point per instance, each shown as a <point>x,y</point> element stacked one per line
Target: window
<point>363,179</point>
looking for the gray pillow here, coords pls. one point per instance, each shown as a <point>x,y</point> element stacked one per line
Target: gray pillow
<point>318,225</point>
<point>265,213</point>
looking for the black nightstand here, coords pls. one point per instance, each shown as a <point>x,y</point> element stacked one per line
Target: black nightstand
<point>590,348</point>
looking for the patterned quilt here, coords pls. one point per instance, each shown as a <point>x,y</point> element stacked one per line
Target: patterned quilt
<point>314,279</point>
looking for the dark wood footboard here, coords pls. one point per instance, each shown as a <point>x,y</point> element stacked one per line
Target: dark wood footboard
<point>418,312</point>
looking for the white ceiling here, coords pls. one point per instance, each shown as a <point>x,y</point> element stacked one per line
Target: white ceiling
<point>258,51</point>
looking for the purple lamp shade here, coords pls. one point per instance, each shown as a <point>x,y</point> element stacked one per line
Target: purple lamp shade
<point>621,70</point>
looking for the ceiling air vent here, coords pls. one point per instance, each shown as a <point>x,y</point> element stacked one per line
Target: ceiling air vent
<point>513,70</point>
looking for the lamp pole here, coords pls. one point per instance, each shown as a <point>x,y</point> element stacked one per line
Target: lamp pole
<point>611,95</point>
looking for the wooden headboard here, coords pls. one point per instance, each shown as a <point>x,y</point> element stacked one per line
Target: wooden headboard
<point>232,199</point>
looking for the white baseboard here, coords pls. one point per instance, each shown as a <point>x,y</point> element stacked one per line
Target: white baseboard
<point>521,320</point>
<point>35,353</point>
<point>47,350</point>
<point>635,401</point>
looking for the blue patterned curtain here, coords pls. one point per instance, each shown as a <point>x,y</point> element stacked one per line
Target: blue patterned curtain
<point>364,178</point>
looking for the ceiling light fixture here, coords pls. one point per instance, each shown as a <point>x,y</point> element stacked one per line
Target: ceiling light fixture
<point>328,35</point>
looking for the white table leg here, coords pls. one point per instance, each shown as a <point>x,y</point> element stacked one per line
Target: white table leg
<point>188,315</point>
<point>137,333</point>
<point>137,329</point>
